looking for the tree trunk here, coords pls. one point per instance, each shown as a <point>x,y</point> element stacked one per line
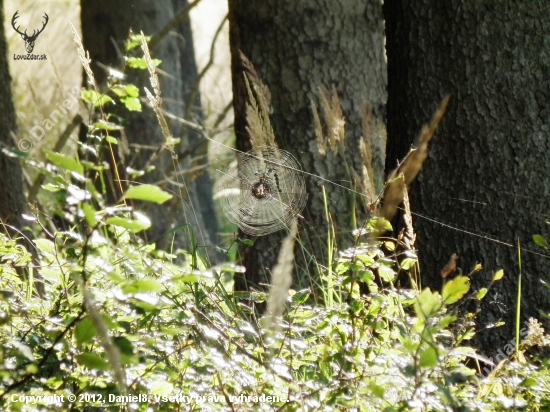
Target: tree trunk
<point>483,187</point>
<point>105,22</point>
<point>12,197</point>
<point>297,47</point>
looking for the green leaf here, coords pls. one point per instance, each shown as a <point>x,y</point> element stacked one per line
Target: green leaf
<point>45,246</point>
<point>408,263</point>
<point>366,276</point>
<point>95,98</point>
<point>300,296</point>
<point>186,279</point>
<point>539,240</point>
<point>161,388</point>
<point>446,321</point>
<point>342,267</point>
<point>143,286</point>
<point>23,349</point>
<point>132,103</point>
<point>132,225</point>
<point>124,345</point>
<point>119,90</point>
<point>92,361</point>
<point>481,294</point>
<point>148,193</point>
<point>379,224</point>
<point>427,304</point>
<point>140,63</point>
<point>65,162</point>
<point>455,289</point>
<point>111,139</point>
<point>135,41</point>
<point>89,214</point>
<point>530,383</point>
<point>103,125</point>
<point>31,369</point>
<point>428,358</point>
<point>498,274</point>
<point>132,90</point>
<point>377,390</point>
<point>85,331</point>
<point>366,259</point>
<point>386,273</point>
<point>246,242</point>
<point>52,188</point>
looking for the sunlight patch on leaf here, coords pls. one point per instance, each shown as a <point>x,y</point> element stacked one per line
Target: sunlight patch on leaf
<point>65,162</point>
<point>499,274</point>
<point>137,225</point>
<point>427,304</point>
<point>148,193</point>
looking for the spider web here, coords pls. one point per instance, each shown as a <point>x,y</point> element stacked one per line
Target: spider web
<point>283,198</point>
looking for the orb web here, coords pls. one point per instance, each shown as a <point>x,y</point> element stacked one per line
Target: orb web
<point>263,190</point>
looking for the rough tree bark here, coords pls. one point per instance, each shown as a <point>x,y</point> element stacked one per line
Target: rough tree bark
<point>105,23</point>
<point>296,47</point>
<point>12,198</point>
<point>13,202</point>
<point>485,183</point>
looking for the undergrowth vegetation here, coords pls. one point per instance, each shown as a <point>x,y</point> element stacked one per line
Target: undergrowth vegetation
<point>121,325</point>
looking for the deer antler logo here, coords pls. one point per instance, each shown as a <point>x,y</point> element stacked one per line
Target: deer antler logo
<point>29,40</point>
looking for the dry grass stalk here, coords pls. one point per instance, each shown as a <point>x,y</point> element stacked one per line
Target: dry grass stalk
<point>253,76</point>
<point>257,110</point>
<point>368,171</point>
<point>409,238</point>
<point>373,150</point>
<point>411,165</point>
<point>84,56</point>
<point>334,120</point>
<point>156,100</point>
<point>257,116</point>
<point>319,135</point>
<point>281,280</point>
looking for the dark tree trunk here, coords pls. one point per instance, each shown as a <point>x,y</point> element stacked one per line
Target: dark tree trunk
<point>296,47</point>
<point>485,183</point>
<point>12,197</point>
<point>105,22</point>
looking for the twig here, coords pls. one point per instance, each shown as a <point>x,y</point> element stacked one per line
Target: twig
<point>180,17</point>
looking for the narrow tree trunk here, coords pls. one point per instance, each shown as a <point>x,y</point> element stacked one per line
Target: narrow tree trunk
<point>105,22</point>
<point>12,196</point>
<point>297,47</point>
<point>484,186</point>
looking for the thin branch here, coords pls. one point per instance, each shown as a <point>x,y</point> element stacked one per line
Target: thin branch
<point>178,19</point>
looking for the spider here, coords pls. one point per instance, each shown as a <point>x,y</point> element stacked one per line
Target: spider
<point>263,187</point>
